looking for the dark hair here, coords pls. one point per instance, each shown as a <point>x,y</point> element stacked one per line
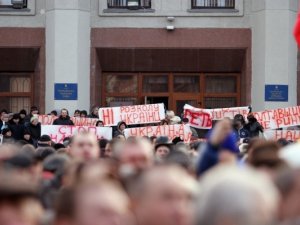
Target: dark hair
<point>84,112</point>
<point>53,112</point>
<point>33,108</point>
<point>23,111</point>
<point>99,121</point>
<point>77,111</point>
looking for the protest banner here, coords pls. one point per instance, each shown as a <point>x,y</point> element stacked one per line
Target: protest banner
<point>58,132</point>
<point>171,131</point>
<point>78,121</point>
<point>135,114</point>
<point>279,118</point>
<point>290,135</point>
<point>198,118</point>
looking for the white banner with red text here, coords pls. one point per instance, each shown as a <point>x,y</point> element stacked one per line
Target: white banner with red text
<point>59,132</point>
<point>135,114</point>
<point>171,131</point>
<point>290,135</point>
<point>78,121</point>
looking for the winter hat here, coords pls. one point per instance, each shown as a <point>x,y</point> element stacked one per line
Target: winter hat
<point>16,116</point>
<point>162,140</point>
<point>175,120</point>
<point>33,118</point>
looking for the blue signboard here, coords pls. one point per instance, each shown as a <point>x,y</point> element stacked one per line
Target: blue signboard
<point>276,93</point>
<point>65,91</point>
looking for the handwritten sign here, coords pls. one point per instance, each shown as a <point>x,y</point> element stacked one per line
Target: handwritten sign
<point>279,118</point>
<point>135,114</point>
<point>290,135</point>
<point>58,133</point>
<point>78,121</point>
<point>198,118</point>
<point>171,131</point>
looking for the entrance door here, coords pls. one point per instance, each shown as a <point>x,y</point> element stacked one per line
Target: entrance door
<point>180,101</point>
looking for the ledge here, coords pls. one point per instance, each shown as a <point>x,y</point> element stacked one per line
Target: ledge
<point>128,10</point>
<point>213,10</point>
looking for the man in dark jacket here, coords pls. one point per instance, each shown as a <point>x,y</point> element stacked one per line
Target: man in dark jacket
<point>16,127</point>
<point>33,111</point>
<point>63,119</point>
<point>253,126</point>
<point>34,128</point>
<point>120,129</point>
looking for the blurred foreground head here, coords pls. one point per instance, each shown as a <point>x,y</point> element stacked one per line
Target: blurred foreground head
<point>236,197</point>
<point>19,204</point>
<point>93,203</point>
<point>163,195</point>
<point>84,146</point>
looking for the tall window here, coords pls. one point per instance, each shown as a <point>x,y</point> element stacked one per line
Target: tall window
<point>229,4</point>
<point>15,92</point>
<point>129,4</point>
<point>13,4</point>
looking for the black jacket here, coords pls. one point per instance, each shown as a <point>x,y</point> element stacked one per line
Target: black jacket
<point>63,121</point>
<point>35,131</point>
<point>17,130</point>
<point>254,127</point>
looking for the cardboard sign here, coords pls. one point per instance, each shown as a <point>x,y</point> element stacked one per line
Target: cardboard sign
<point>198,118</point>
<point>171,131</point>
<point>135,114</point>
<point>78,121</point>
<point>279,118</point>
<point>58,133</point>
<point>290,135</point>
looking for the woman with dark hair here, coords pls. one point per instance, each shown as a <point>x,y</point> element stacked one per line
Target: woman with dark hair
<point>94,112</point>
<point>99,123</point>
<point>239,126</point>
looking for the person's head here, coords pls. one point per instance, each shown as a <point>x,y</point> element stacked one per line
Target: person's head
<point>64,113</point>
<point>77,113</point>
<point>135,155</point>
<point>231,196</point>
<point>92,203</point>
<point>5,117</point>
<point>185,121</point>
<point>162,151</point>
<point>34,110</point>
<point>164,195</point>
<point>27,135</point>
<point>53,113</point>
<point>239,118</point>
<point>288,183</point>
<point>84,146</point>
<point>43,152</point>
<point>16,118</point>
<point>94,111</point>
<point>164,122</point>
<point>6,132</point>
<point>44,141</point>
<point>34,120</point>
<point>23,113</point>
<point>99,123</point>
<point>19,204</point>
<point>83,113</point>
<point>121,126</point>
<point>251,118</point>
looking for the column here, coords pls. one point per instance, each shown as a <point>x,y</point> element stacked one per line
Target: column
<point>67,54</point>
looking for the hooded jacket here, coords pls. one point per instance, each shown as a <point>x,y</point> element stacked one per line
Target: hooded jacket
<point>118,131</point>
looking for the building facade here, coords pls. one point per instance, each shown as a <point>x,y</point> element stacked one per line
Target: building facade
<point>208,53</point>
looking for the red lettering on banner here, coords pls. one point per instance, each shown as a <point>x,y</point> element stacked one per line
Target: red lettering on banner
<point>108,116</point>
<point>53,137</point>
<point>158,131</point>
<point>171,131</point>
<point>92,129</point>
<point>133,132</point>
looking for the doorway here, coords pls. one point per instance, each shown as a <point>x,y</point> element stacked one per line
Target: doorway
<point>157,100</point>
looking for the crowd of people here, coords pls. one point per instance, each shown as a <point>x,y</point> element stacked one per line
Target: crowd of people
<point>233,177</point>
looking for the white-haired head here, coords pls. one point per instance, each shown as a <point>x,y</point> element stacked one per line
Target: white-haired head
<point>237,197</point>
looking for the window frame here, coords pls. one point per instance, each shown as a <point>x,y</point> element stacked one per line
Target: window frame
<point>128,7</point>
<point>194,5</point>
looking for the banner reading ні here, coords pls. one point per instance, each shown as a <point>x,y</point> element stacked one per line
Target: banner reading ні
<point>135,114</point>
<point>59,132</point>
<point>171,131</point>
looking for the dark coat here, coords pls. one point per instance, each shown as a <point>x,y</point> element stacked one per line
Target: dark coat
<point>63,121</point>
<point>254,127</point>
<point>118,131</point>
<point>35,131</point>
<point>17,130</point>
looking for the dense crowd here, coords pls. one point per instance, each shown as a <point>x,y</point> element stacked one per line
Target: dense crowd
<point>233,177</point>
